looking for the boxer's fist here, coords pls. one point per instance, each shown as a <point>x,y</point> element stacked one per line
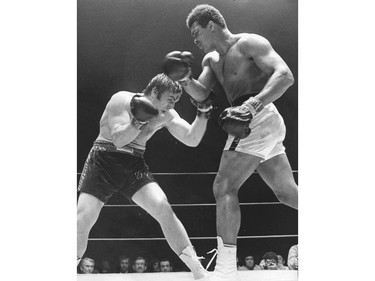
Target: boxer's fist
<point>177,65</point>
<point>236,121</point>
<point>142,109</point>
<point>205,104</point>
<point>204,107</point>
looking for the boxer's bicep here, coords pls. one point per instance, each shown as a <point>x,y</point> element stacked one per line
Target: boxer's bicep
<point>117,114</point>
<point>207,78</point>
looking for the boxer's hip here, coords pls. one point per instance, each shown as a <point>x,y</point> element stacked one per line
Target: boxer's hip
<point>100,145</point>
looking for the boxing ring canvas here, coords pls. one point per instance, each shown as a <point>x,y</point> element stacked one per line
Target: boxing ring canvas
<point>284,275</point>
<point>120,46</point>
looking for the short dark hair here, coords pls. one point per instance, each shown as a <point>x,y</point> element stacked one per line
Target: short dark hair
<point>204,13</point>
<point>270,256</point>
<point>162,83</point>
<point>166,259</point>
<point>124,257</point>
<point>140,258</point>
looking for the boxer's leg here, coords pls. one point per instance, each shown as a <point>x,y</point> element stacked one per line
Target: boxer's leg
<point>235,168</point>
<point>277,173</point>
<point>152,199</point>
<point>88,210</point>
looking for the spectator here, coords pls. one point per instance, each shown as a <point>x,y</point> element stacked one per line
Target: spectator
<point>269,261</point>
<point>106,266</point>
<point>249,264</point>
<point>293,257</point>
<point>140,265</point>
<point>124,262</point>
<point>165,265</point>
<point>281,263</point>
<point>155,265</point>
<point>87,266</point>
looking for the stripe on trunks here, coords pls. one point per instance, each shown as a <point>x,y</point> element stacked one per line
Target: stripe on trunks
<point>234,143</point>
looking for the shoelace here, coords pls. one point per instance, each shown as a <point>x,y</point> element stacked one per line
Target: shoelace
<point>212,258</point>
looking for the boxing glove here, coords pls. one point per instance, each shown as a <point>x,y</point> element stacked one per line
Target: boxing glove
<point>177,65</point>
<point>143,110</point>
<point>236,121</point>
<point>204,108</point>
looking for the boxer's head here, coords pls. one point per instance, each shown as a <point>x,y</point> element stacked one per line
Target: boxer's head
<point>203,14</point>
<point>206,26</point>
<point>163,92</point>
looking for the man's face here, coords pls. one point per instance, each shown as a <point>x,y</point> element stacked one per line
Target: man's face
<point>202,37</point>
<point>124,265</point>
<point>106,267</point>
<point>271,264</point>
<point>166,101</point>
<point>249,262</point>
<point>87,267</point>
<point>280,259</point>
<point>155,266</point>
<point>165,266</point>
<point>140,266</point>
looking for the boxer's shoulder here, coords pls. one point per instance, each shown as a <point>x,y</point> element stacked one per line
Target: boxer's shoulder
<point>210,58</point>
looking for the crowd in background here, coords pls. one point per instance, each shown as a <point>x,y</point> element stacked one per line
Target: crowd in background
<point>141,264</point>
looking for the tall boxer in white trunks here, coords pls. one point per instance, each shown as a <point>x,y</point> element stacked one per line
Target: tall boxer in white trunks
<point>253,76</point>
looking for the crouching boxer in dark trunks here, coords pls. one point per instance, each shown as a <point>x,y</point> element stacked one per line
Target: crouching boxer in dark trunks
<point>115,163</point>
<point>253,76</point>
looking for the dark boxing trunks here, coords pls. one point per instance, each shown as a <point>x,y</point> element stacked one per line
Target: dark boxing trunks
<point>108,170</point>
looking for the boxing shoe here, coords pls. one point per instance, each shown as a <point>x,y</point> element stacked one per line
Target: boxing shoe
<point>226,263</point>
<point>189,257</point>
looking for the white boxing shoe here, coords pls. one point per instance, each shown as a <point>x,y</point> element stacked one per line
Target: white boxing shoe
<point>189,257</point>
<point>226,263</point>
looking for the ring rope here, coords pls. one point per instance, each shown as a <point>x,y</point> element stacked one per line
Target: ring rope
<point>204,204</point>
<point>192,238</point>
<point>193,174</point>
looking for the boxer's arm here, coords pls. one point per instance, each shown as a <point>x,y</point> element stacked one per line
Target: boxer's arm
<point>281,78</point>
<point>200,89</point>
<point>189,134</point>
<point>122,131</point>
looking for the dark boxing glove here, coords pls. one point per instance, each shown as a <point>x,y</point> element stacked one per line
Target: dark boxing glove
<point>236,121</point>
<point>143,110</point>
<point>204,108</point>
<point>177,65</point>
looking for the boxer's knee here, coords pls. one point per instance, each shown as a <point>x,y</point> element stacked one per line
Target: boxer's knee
<point>163,211</point>
<point>87,213</point>
<point>282,196</point>
<point>224,187</point>
<point>287,193</point>
<point>85,219</point>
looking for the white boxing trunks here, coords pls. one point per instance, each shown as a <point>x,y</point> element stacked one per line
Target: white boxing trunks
<point>266,137</point>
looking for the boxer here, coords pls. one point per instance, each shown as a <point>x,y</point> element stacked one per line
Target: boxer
<point>252,76</point>
<point>116,164</point>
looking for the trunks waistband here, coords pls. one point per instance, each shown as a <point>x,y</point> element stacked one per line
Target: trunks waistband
<point>241,99</point>
<point>110,147</point>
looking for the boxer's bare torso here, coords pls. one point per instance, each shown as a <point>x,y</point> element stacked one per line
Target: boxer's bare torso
<point>154,124</point>
<point>236,71</point>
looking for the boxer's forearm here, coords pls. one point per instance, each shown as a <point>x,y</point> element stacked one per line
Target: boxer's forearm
<point>124,134</point>
<point>276,86</point>
<point>196,132</point>
<point>195,89</point>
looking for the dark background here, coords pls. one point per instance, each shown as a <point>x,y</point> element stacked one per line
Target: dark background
<point>121,45</point>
